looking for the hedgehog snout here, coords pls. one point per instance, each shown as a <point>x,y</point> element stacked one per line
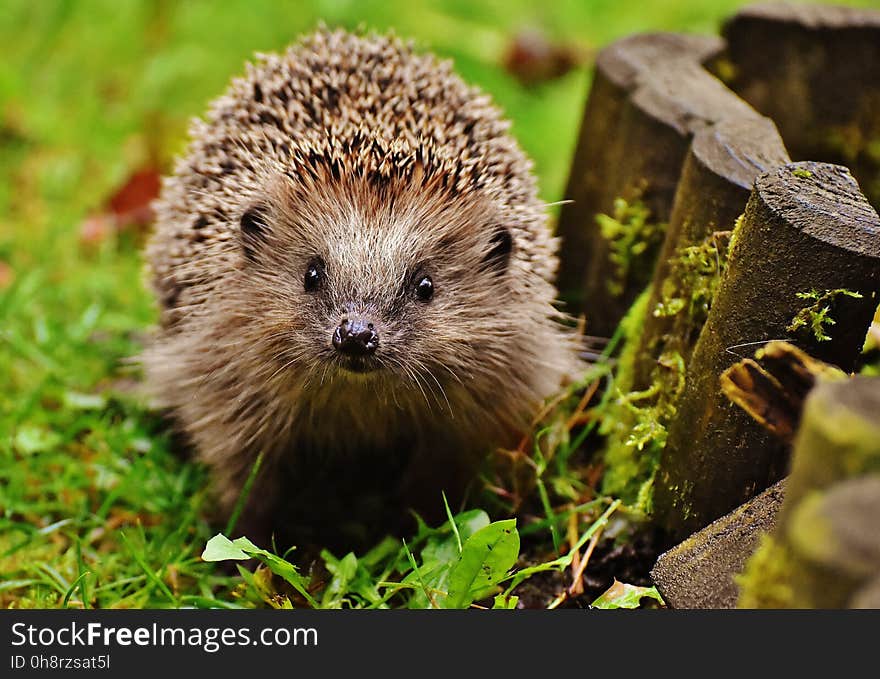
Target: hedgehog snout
<point>355,337</point>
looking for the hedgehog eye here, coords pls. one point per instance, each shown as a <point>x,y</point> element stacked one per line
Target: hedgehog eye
<point>424,288</point>
<point>314,274</point>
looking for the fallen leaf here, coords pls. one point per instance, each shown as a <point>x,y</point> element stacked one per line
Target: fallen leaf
<point>532,58</point>
<point>132,202</point>
<point>128,209</point>
<point>6,275</point>
<point>623,595</point>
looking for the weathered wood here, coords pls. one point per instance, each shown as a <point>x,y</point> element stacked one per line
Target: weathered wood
<point>806,228</point>
<point>700,572</point>
<point>717,178</point>
<point>650,94</point>
<point>814,69</point>
<point>772,388</point>
<point>825,549</point>
<point>839,438</point>
<point>718,174</point>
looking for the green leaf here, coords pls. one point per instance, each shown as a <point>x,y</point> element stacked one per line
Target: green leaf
<point>565,561</point>
<point>622,595</point>
<point>30,439</point>
<point>343,571</point>
<point>424,597</point>
<point>486,557</point>
<point>443,547</point>
<point>221,548</point>
<point>287,570</point>
<point>381,553</point>
<point>78,401</point>
<point>505,603</point>
<point>470,522</point>
<point>451,522</point>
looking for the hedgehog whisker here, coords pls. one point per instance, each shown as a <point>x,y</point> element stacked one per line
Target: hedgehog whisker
<point>451,372</point>
<point>427,371</point>
<point>418,381</point>
<point>284,366</point>
<point>415,377</point>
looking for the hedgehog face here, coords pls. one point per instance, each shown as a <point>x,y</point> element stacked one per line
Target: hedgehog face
<point>400,281</point>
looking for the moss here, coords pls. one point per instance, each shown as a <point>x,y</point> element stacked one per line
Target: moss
<point>809,531</point>
<point>816,317</point>
<point>802,173</point>
<point>858,146</point>
<point>802,565</point>
<point>737,227</point>
<point>828,425</point>
<point>631,327</point>
<point>849,141</point>
<point>636,429</point>
<point>766,581</point>
<point>627,424</point>
<point>693,279</point>
<point>632,239</point>
<point>724,69</point>
<point>873,150</point>
<point>636,421</point>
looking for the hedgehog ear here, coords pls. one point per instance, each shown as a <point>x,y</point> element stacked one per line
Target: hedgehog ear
<point>254,230</point>
<point>500,247</point>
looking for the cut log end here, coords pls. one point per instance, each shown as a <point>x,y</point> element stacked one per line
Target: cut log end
<point>824,202</point>
<point>739,149</point>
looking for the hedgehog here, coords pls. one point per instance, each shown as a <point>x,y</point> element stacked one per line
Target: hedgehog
<point>355,281</point>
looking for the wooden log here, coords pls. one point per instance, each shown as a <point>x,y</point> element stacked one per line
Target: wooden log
<point>843,417</point>
<point>650,94</point>
<point>807,230</point>
<point>814,69</point>
<point>701,571</point>
<point>825,549</point>
<point>718,175</point>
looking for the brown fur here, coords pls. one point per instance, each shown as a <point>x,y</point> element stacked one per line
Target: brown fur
<point>386,165</point>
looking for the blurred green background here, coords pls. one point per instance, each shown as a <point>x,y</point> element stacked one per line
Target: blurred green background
<point>83,83</point>
<point>89,89</point>
<point>90,93</point>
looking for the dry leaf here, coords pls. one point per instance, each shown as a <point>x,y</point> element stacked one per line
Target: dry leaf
<point>129,208</point>
<point>6,275</point>
<point>532,59</point>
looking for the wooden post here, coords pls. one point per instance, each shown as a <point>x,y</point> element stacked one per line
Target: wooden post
<point>718,175</point>
<point>839,416</point>
<point>650,94</point>
<point>715,184</point>
<point>815,70</point>
<point>701,571</point>
<point>807,242</point>
<point>825,549</point>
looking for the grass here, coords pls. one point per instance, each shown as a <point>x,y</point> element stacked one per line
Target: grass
<point>96,509</point>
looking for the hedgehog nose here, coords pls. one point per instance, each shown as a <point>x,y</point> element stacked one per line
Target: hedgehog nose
<point>355,338</point>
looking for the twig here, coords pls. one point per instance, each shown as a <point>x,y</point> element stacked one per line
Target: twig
<point>577,585</point>
<point>582,404</point>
